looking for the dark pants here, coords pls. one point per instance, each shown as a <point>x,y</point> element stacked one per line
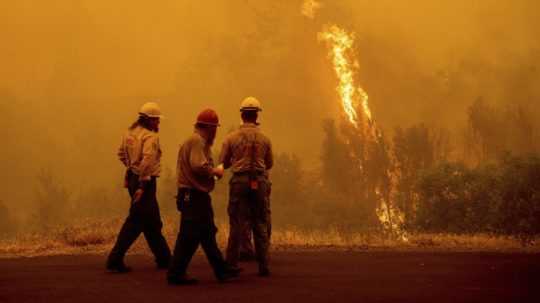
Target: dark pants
<point>196,228</point>
<point>144,217</point>
<point>249,209</point>
<point>246,244</point>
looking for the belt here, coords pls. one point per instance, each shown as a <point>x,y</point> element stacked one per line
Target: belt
<point>192,190</point>
<point>132,173</point>
<point>249,173</point>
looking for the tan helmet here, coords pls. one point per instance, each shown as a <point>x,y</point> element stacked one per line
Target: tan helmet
<point>250,103</point>
<point>151,109</point>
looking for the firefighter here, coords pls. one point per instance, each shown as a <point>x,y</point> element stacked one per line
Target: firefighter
<point>248,152</point>
<point>140,153</point>
<point>196,176</point>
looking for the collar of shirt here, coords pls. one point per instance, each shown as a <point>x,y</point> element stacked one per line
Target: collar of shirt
<point>249,125</point>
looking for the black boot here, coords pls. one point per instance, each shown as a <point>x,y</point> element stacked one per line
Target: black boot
<point>162,265</point>
<point>182,280</point>
<point>118,268</point>
<point>264,272</point>
<point>229,272</point>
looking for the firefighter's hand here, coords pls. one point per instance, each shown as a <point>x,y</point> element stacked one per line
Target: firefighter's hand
<point>219,171</point>
<point>138,195</point>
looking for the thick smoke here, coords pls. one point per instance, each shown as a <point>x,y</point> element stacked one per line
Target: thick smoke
<point>75,72</point>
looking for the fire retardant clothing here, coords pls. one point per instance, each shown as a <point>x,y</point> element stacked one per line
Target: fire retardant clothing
<point>248,152</point>
<point>140,152</point>
<point>197,227</point>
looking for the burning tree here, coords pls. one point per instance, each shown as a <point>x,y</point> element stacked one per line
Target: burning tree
<point>370,169</point>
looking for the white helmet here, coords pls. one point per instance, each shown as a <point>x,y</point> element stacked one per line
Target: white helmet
<point>250,103</point>
<point>151,109</point>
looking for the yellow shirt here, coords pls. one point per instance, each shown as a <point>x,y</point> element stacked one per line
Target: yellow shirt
<point>140,152</point>
<point>247,149</point>
<point>195,164</point>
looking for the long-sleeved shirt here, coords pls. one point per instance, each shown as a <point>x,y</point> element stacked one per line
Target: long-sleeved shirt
<point>195,164</point>
<point>140,152</point>
<point>247,149</point>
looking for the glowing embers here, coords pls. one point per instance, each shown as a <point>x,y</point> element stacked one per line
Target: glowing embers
<point>391,220</point>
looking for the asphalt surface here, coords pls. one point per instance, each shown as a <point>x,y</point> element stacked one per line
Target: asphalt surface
<point>296,277</point>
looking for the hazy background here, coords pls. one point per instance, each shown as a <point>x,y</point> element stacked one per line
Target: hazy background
<point>74,73</point>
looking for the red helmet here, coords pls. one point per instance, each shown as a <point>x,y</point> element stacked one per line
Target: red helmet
<point>208,117</point>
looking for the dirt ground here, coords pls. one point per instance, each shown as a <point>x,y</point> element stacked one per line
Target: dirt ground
<point>297,277</point>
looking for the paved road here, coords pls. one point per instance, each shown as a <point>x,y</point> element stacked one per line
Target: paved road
<point>297,277</point>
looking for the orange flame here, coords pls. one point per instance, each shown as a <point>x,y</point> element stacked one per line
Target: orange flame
<point>354,97</point>
<point>341,51</point>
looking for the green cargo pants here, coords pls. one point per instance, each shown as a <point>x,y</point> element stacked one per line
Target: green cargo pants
<point>249,209</point>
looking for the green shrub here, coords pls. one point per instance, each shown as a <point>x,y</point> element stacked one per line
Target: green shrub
<point>502,198</point>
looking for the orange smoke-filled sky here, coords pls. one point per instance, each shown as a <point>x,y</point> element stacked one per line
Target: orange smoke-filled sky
<point>74,72</point>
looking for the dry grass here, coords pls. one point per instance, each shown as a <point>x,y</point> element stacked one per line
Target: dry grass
<point>334,239</point>
<point>97,237</point>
